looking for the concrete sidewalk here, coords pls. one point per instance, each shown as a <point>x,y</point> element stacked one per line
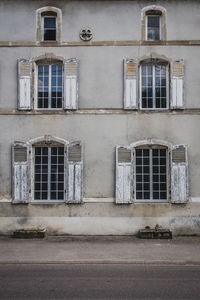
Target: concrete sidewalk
<point>115,250</point>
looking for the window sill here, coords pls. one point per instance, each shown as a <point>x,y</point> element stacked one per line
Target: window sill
<point>47,201</point>
<point>151,201</point>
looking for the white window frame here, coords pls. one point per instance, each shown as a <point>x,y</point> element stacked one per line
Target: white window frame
<point>146,28</point>
<point>49,87</point>
<point>33,175</point>
<point>42,30</point>
<point>153,88</point>
<point>167,172</point>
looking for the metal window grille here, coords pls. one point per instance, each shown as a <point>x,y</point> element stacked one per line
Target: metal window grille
<point>49,27</point>
<point>50,86</point>
<point>153,28</point>
<point>151,174</point>
<point>49,173</point>
<point>154,86</point>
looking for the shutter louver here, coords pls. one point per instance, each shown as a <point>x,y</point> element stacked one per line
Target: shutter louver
<point>177,97</point>
<point>71,84</point>
<point>20,189</point>
<point>75,173</point>
<point>24,84</point>
<point>179,174</point>
<point>130,84</point>
<point>124,175</point>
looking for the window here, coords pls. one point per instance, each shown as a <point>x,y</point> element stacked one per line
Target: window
<point>49,173</point>
<point>153,27</point>
<point>48,24</point>
<point>153,23</point>
<point>154,82</point>
<point>50,86</point>
<point>47,169</point>
<point>49,28</point>
<point>151,174</point>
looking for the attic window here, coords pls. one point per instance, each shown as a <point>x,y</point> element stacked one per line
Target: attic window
<point>49,20</point>
<point>153,30</point>
<point>49,27</point>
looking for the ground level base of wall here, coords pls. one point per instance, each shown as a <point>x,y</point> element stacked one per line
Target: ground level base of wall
<point>100,225</point>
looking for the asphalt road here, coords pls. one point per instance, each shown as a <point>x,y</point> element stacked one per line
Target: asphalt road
<point>99,281</point>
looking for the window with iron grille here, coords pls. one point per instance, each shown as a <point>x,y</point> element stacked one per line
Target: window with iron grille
<point>49,173</point>
<point>50,86</point>
<point>154,90</point>
<point>151,174</point>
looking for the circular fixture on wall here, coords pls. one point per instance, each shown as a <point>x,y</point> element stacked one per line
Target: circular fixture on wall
<point>85,34</point>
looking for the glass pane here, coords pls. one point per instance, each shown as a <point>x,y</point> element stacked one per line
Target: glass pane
<point>49,35</point>
<point>50,23</point>
<point>153,27</point>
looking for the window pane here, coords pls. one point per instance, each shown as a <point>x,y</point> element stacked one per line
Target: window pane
<point>49,23</point>
<point>153,27</point>
<point>151,174</point>
<point>147,86</point>
<point>49,173</point>
<point>49,35</point>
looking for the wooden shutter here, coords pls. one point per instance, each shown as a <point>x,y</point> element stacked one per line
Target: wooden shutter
<point>124,175</point>
<point>177,96</point>
<point>130,84</point>
<point>24,84</point>
<point>20,176</point>
<point>179,174</point>
<point>71,84</point>
<point>74,173</point>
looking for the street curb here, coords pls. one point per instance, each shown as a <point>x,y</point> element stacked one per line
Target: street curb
<point>95,261</point>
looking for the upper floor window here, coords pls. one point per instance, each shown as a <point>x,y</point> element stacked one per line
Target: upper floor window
<point>48,82</point>
<point>154,88</point>
<point>153,23</point>
<point>48,24</point>
<point>153,30</point>
<point>50,86</point>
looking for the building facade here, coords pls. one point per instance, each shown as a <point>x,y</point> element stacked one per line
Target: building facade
<point>100,116</point>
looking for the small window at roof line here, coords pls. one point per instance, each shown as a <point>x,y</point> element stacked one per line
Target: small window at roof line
<point>49,28</point>
<point>153,27</point>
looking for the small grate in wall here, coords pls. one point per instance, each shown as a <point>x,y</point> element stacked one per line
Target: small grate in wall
<point>74,153</point>
<point>178,155</point>
<point>124,155</point>
<point>20,154</point>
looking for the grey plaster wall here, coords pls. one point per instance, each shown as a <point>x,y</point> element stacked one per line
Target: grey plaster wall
<point>101,72</point>
<point>109,20</point>
<point>99,135</point>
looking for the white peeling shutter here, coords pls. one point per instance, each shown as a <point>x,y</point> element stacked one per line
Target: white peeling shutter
<point>177,97</point>
<point>74,173</point>
<point>71,84</point>
<point>130,84</point>
<point>20,173</point>
<point>124,175</point>
<point>24,84</point>
<point>179,174</point>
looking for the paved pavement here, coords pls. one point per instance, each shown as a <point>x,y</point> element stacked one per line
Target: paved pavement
<point>107,250</point>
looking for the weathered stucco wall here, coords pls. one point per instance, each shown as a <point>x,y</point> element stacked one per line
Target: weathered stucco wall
<point>101,71</point>
<point>109,20</point>
<point>99,135</point>
<point>105,124</point>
